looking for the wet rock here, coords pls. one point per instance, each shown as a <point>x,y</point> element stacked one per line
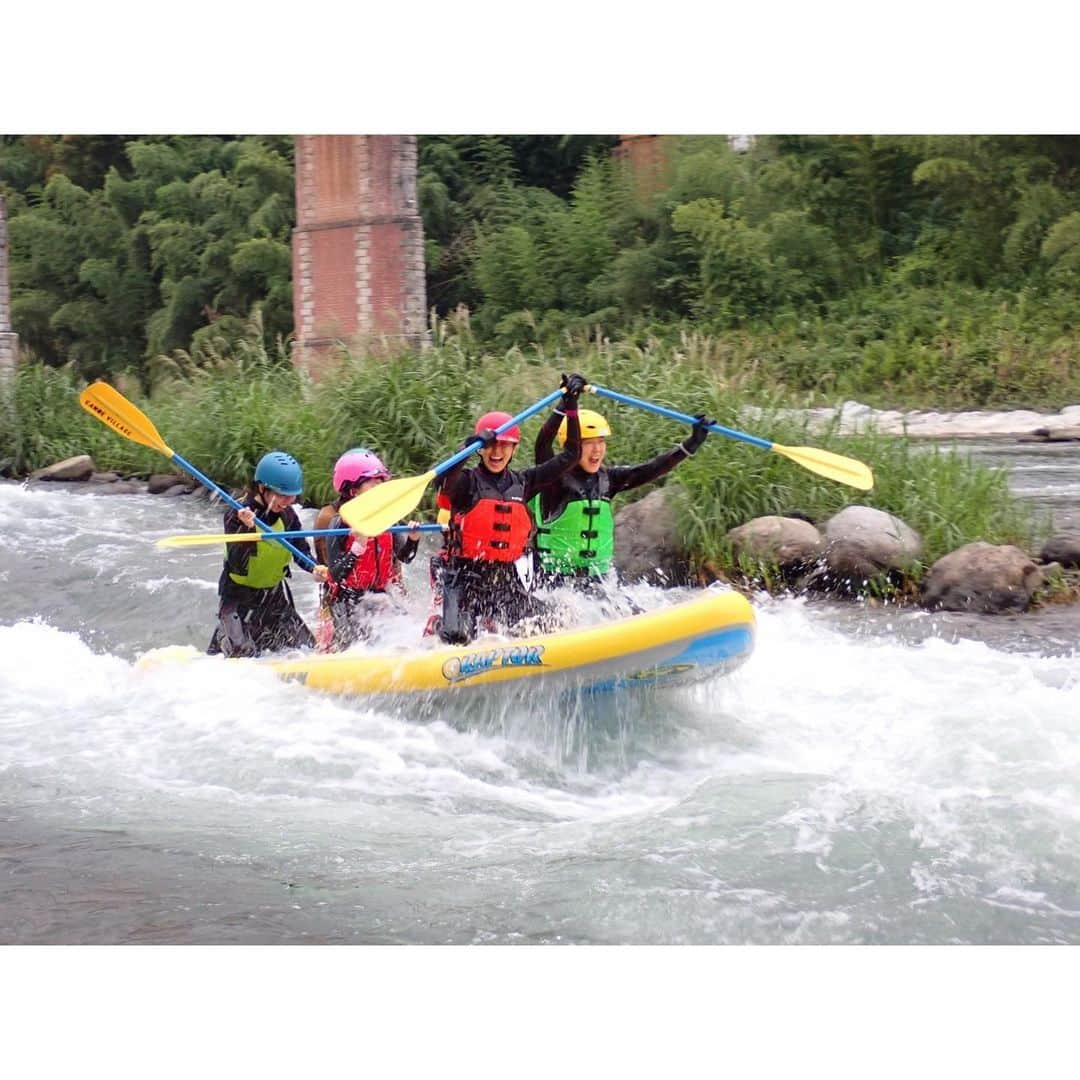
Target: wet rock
<point>861,535</point>
<point>647,544</point>
<point>104,478</point>
<point>984,578</point>
<point>785,542</point>
<point>852,416</point>
<point>862,545</point>
<point>159,483</point>
<point>121,487</point>
<point>80,467</point>
<point>1064,548</point>
<point>176,489</point>
<point>1049,434</point>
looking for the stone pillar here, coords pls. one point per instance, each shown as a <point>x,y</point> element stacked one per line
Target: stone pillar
<point>649,160</point>
<point>9,341</point>
<point>358,246</point>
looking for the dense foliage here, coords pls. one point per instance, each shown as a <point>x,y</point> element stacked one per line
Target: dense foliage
<point>900,269</point>
<point>938,269</point>
<point>123,249</point>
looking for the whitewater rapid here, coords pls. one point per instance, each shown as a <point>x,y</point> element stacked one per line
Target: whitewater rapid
<point>870,775</point>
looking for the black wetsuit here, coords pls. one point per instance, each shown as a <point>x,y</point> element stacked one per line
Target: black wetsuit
<point>252,621</point>
<point>482,589</point>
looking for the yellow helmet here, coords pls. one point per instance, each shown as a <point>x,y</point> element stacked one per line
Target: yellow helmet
<point>593,426</point>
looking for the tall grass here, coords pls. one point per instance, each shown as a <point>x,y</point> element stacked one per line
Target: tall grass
<point>41,422</point>
<point>225,407</point>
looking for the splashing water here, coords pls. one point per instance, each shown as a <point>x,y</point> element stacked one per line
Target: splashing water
<point>868,776</point>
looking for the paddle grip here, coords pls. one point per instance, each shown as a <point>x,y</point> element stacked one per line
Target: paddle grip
<point>305,560</point>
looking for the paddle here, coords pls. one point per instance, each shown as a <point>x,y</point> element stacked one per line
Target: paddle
<point>199,539</point>
<point>845,470</point>
<point>114,410</point>
<point>377,509</point>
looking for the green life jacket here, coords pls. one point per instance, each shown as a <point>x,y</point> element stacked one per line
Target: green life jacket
<point>266,568</point>
<point>582,535</point>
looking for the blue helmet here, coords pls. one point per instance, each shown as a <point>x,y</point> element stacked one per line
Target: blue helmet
<point>280,472</point>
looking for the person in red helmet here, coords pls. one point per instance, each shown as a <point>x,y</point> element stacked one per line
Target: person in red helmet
<point>491,526</point>
<point>256,613</point>
<point>362,569</point>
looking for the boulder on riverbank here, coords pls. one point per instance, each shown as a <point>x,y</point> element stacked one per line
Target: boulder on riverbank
<point>986,578</point>
<point>1052,435</point>
<point>648,546</point>
<point>166,483</point>
<point>80,467</point>
<point>862,544</point>
<point>1063,548</point>
<point>788,543</point>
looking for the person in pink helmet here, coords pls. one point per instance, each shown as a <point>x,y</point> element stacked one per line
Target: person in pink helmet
<point>362,569</point>
<point>491,525</point>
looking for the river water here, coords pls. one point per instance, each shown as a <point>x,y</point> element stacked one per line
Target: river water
<point>869,776</point>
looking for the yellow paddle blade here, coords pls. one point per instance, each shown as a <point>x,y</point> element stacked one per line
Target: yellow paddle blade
<point>380,507</point>
<point>200,539</point>
<point>112,408</point>
<point>166,655</point>
<point>825,463</point>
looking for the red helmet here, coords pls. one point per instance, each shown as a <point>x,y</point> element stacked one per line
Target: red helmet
<point>495,420</point>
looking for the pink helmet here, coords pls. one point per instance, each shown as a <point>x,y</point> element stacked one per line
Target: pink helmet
<point>357,465</point>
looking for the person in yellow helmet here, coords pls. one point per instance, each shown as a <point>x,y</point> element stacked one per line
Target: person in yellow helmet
<point>575,534</point>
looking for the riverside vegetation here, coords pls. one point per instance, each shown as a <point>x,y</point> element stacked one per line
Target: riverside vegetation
<point>937,271</point>
<point>222,410</point>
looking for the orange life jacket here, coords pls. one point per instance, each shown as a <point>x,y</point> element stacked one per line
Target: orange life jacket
<point>497,527</point>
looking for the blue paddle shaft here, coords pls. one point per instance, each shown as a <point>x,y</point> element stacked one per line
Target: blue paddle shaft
<point>462,454</point>
<point>671,414</point>
<point>292,533</point>
<point>306,560</point>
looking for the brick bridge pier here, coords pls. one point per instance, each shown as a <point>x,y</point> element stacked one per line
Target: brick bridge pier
<point>9,341</point>
<point>358,246</point>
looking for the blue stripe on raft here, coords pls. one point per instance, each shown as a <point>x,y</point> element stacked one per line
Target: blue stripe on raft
<point>723,649</point>
<point>717,647</point>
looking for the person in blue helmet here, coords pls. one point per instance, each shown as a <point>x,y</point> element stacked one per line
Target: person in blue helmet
<point>256,613</point>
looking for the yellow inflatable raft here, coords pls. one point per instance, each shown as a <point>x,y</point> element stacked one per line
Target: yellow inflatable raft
<point>709,635</point>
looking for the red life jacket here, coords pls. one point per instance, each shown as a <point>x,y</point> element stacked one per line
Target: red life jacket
<point>375,567</point>
<point>498,525</point>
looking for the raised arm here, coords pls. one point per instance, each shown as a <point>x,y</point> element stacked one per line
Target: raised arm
<point>627,477</point>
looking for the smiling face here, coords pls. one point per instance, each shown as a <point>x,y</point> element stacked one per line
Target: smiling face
<point>497,456</point>
<point>592,454</point>
<point>274,501</point>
